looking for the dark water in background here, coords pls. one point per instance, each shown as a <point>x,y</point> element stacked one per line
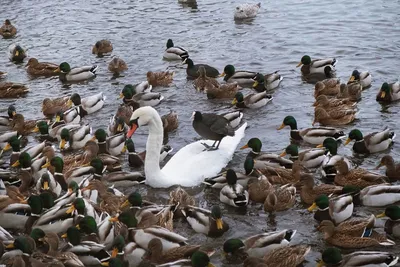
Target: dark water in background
<point>360,34</point>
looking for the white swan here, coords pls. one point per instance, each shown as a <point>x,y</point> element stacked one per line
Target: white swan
<point>190,165</point>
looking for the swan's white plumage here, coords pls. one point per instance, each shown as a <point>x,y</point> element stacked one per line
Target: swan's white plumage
<point>190,165</point>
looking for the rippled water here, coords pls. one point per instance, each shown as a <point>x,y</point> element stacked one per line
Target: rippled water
<point>360,34</point>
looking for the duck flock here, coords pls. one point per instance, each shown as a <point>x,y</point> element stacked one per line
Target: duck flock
<point>61,200</point>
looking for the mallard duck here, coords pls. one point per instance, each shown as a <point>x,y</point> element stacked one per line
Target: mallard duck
<point>163,78</point>
<point>389,92</point>
<point>242,78</point>
<point>259,189</point>
<point>262,159</point>
<point>15,144</point>
<point>364,78</point>
<point>117,65</point>
<point>170,122</point>
<point>311,158</point>
<point>50,107</point>
<point>321,206</point>
<point>102,47</point>
<point>309,191</point>
<point>12,90</point>
<point>329,87</point>
<point>57,164</point>
<point>357,177</point>
<point>76,138</point>
<point>78,74</point>
<point>16,53</point>
<point>313,136</point>
<point>48,183</point>
<point>180,198</point>
<point>334,117</point>
<point>203,82</point>
<point>233,193</point>
<point>333,103</point>
<point>340,236</point>
<point>208,222</point>
<point>252,100</point>
<point>351,91</point>
<point>315,66</point>
<point>192,69</point>
<point>280,199</point>
<point>175,52</point>
<point>287,256</point>
<point>246,11</point>
<point>129,94</point>
<point>392,168</point>
<point>22,126</point>
<point>375,195</point>
<point>112,145</point>
<point>372,143</point>
<point>259,245</point>
<point>51,132</point>
<point>267,82</point>
<point>392,224</point>
<point>8,30</point>
<point>135,159</point>
<point>277,175</point>
<point>328,165</point>
<point>333,257</point>
<point>90,104</point>
<point>228,90</point>
<point>36,68</point>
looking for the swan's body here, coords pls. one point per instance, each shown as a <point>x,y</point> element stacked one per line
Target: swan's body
<point>191,164</point>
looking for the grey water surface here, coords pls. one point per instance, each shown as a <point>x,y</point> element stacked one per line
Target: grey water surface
<point>360,34</point>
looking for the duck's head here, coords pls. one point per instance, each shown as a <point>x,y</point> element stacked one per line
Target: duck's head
<point>231,246</point>
<point>19,51</point>
<point>231,177</point>
<point>42,127</point>
<point>59,116</point>
<point>141,117</point>
<point>330,145</point>
<point>248,165</point>
<point>127,218</point>
<point>45,181</point>
<point>329,72</point>
<point>188,61</point>
<point>7,22</point>
<point>170,43</point>
<point>64,67</point>
<point>134,199</point>
<point>238,98</point>
<point>119,121</point>
<point>254,143</point>
<point>354,135</point>
<point>98,166</point>
<point>127,92</point>
<point>91,148</point>
<point>74,99</point>
<point>386,160</point>
<point>57,163</point>
<point>305,60</point>
<point>385,90</point>
<point>36,204</point>
<point>13,143</point>
<point>78,205</point>
<point>118,246</point>
<point>24,161</point>
<point>291,150</point>
<point>73,235</point>
<point>289,121</point>
<point>65,137</point>
<point>258,79</point>
<point>32,62</point>
<point>37,234</point>
<point>73,187</point>
<point>24,243</point>
<point>216,215</point>
<point>129,145</point>
<point>321,202</point>
<point>330,257</point>
<point>355,76</point>
<point>88,225</point>
<point>47,200</point>
<point>200,259</point>
<point>11,111</point>
<point>319,113</point>
<point>229,70</point>
<point>100,135</point>
<point>393,212</point>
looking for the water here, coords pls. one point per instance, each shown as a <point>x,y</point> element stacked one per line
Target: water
<point>359,34</point>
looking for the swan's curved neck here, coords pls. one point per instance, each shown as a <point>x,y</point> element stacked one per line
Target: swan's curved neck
<point>153,147</point>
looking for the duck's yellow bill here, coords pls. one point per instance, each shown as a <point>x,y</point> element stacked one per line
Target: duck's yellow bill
<point>125,204</point>
<point>16,164</point>
<point>298,65</point>
<point>234,101</point>
<point>383,94</point>
<point>35,130</point>
<point>220,224</point>
<point>10,246</point>
<point>282,126</point>
<point>105,264</point>
<point>381,215</point>
<point>69,103</point>
<point>255,84</point>
<point>17,53</point>
<point>46,185</point>
<point>58,118</point>
<point>114,253</point>
<point>120,128</point>
<point>7,147</point>
<point>320,263</point>
<point>222,74</point>
<point>124,149</point>
<point>113,219</point>
<point>313,207</point>
<point>348,140</point>
<point>245,146</point>
<point>62,144</point>
<point>70,210</point>
<point>64,235</point>
<point>352,78</point>
<point>57,70</point>
<point>46,165</point>
<point>283,154</point>
<point>210,265</point>
<point>121,95</point>
<point>320,146</point>
<point>93,138</point>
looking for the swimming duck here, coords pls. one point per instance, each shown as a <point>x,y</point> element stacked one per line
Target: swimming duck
<point>259,245</point>
<point>12,90</point>
<point>8,30</point>
<point>259,189</point>
<point>277,175</point>
<point>309,191</point>
<point>313,136</point>
<point>79,74</point>
<point>333,257</point>
<point>329,87</point>
<point>162,78</point>
<point>112,145</point>
<point>227,90</point>
<point>117,65</point>
<point>392,225</point>
<point>351,91</point>
<point>170,122</point>
<point>16,53</point>
<point>246,11</point>
<point>315,66</point>
<point>267,82</point>
<point>76,138</point>
<point>208,222</point>
<point>175,52</point>
<point>90,104</point>
<point>333,103</point>
<point>358,177</point>
<point>283,256</point>
<point>233,193</point>
<point>129,94</point>
<point>364,78</point>
<point>328,165</point>
<point>15,144</point>
<point>36,68</point>
<point>102,47</point>
<point>192,69</point>
<point>375,195</point>
<point>203,82</point>
<point>392,168</point>
<point>280,199</point>
<point>341,236</point>
<point>22,126</point>
<point>52,133</point>
<point>372,143</point>
<point>311,158</point>
<point>242,78</point>
<point>252,100</point>
<point>389,92</point>
<point>261,158</point>
<point>334,116</point>
<point>336,209</point>
<point>50,107</point>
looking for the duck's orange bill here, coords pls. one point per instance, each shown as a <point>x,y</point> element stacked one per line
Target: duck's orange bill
<point>131,130</point>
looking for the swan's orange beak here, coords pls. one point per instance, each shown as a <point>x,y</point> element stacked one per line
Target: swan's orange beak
<point>131,130</point>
